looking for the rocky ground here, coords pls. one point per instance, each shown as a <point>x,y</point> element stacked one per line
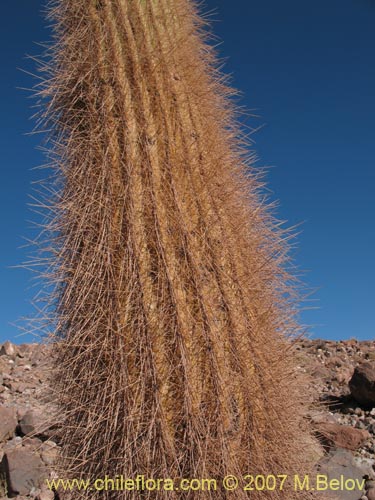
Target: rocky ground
<point>344,383</point>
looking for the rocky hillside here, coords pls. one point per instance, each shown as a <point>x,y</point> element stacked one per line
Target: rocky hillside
<point>344,383</point>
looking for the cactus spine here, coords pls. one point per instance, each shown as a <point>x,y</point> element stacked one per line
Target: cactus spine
<point>172,304</point>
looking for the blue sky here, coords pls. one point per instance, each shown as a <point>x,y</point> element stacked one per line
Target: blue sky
<point>307,70</point>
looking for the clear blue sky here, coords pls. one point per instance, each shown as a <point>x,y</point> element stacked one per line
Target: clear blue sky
<point>308,70</point>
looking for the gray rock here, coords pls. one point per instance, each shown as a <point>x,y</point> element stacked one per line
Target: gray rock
<point>366,465</point>
<point>8,422</point>
<point>340,462</point>
<point>24,471</point>
<point>362,384</point>
<point>32,423</point>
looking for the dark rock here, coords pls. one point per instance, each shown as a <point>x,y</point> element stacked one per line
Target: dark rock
<point>362,384</point>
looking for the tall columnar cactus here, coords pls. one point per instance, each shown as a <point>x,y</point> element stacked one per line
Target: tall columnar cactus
<point>174,309</point>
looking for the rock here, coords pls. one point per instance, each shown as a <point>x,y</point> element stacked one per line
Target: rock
<point>66,496</point>
<point>323,417</point>
<point>344,375</point>
<point>321,372</point>
<point>371,494</point>
<point>342,436</point>
<point>25,350</point>
<point>34,443</point>
<point>32,423</point>
<point>13,443</point>
<point>21,411</point>
<point>8,349</point>
<point>24,471</point>
<point>340,462</point>
<point>366,465</point>
<point>362,384</point>
<point>20,387</point>
<point>26,373</point>
<point>8,422</point>
<point>46,494</point>
<point>49,452</point>
<point>34,492</point>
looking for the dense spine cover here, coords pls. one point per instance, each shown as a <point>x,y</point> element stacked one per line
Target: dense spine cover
<point>172,302</point>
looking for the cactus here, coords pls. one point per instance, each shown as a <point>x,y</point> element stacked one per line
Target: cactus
<point>173,304</point>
